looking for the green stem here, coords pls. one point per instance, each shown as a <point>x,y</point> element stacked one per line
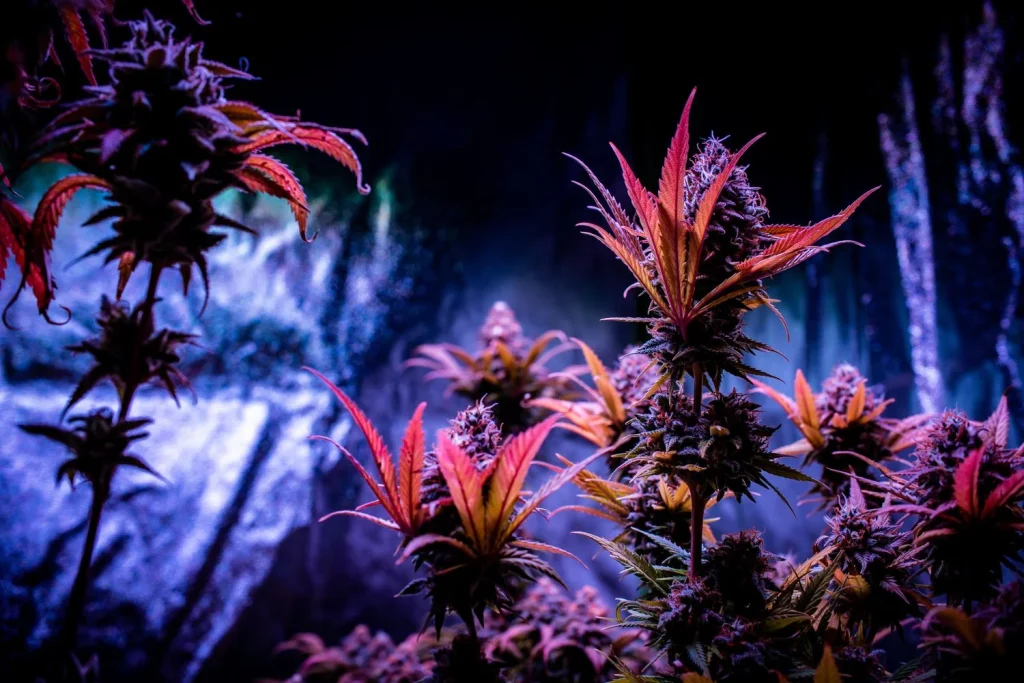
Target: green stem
<point>697,499</point>
<point>698,391</point>
<point>76,603</point>
<point>698,504</point>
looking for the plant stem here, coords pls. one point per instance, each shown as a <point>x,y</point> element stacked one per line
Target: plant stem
<point>131,385</point>
<point>101,487</point>
<point>698,391</point>
<point>76,603</point>
<point>697,499</point>
<point>698,503</point>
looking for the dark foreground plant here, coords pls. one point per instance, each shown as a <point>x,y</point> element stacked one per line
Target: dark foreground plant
<point>162,139</point>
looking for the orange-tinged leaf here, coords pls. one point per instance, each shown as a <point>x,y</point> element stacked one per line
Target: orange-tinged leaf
<point>673,170</point>
<point>425,540</point>
<point>190,6</point>
<point>466,484</point>
<point>810,235</point>
<point>997,426</point>
<point>513,463</point>
<point>291,189</point>
<point>410,467</point>
<point>549,487</point>
<point>125,268</point>
<point>624,254</point>
<point>827,671</point>
<point>380,521</point>
<point>79,39</point>
<point>965,482</point>
<point>785,401</point>
<point>320,139</point>
<point>379,452</point>
<point>808,410</point>
<point>547,548</point>
<point>855,408</point>
<point>376,487</point>
<point>696,678</point>
<point>240,112</point>
<point>644,203</point>
<point>612,400</point>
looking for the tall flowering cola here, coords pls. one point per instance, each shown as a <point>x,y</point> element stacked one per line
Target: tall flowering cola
<point>507,370</point>
<point>966,489</point>
<point>843,429</point>
<point>162,139</point>
<point>699,250</point>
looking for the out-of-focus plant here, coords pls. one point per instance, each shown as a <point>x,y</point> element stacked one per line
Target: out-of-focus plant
<point>983,646</point>
<point>843,429</point>
<point>162,139</point>
<point>360,657</point>
<point>507,370</point>
<point>475,559</point>
<point>551,637</point>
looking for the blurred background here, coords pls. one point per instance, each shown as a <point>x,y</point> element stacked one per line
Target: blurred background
<point>468,112</point>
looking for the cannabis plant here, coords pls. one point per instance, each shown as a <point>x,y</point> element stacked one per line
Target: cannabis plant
<point>476,559</point>
<point>699,250</point>
<point>162,139</point>
<point>360,657</point>
<point>605,413</point>
<point>876,563</point>
<point>552,637</point>
<point>843,429</point>
<point>966,489</point>
<point>507,370</point>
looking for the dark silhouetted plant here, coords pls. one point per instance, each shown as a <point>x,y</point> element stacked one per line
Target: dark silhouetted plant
<point>507,370</point>
<point>162,139</point>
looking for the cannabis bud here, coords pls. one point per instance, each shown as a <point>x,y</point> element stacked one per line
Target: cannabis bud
<point>507,371</point>
<point>741,570</point>
<point>98,445</point>
<point>163,140</point>
<point>130,353</point>
<point>843,429</point>
<point>723,450</point>
<point>966,489</point>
